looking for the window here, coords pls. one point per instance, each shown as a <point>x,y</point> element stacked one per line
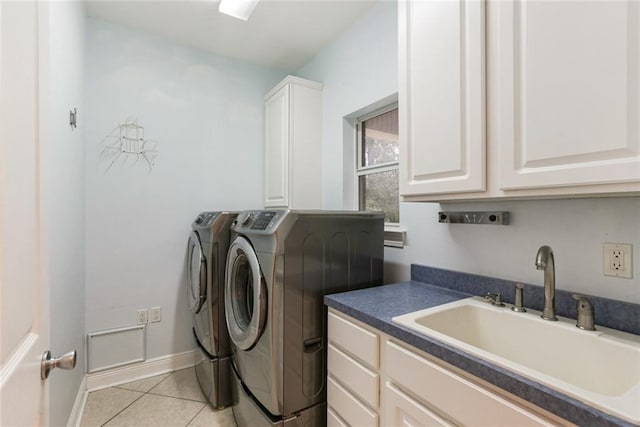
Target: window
<point>377,163</point>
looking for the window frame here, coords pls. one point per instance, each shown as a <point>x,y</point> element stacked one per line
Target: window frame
<point>368,170</point>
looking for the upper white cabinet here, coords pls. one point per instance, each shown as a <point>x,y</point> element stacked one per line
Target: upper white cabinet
<point>441,96</point>
<point>293,143</point>
<point>569,93</point>
<point>559,113</point>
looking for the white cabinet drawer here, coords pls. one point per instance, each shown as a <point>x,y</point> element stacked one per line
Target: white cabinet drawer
<point>350,409</point>
<point>402,410</point>
<point>362,381</point>
<point>354,339</point>
<point>459,399</point>
<point>333,419</point>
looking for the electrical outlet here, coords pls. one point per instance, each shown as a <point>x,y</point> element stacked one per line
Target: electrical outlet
<point>155,314</point>
<point>617,260</point>
<point>143,316</point>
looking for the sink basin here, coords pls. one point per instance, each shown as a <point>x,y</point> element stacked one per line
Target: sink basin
<point>601,368</point>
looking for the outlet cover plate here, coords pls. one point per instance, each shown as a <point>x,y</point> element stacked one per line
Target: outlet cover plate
<point>155,314</point>
<point>617,260</point>
<point>142,316</point>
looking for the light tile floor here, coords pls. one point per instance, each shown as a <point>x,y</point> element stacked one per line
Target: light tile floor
<point>173,399</point>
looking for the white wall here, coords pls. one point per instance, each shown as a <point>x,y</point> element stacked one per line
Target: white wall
<point>63,170</point>
<point>206,113</point>
<point>360,68</point>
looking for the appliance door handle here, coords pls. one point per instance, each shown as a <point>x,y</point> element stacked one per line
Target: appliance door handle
<point>312,345</point>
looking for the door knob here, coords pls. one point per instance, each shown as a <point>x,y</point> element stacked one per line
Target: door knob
<point>66,361</point>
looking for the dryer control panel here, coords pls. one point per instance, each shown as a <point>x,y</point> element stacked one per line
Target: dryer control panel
<point>258,220</point>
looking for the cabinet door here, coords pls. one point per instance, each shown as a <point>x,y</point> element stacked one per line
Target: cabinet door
<point>402,410</point>
<point>277,149</point>
<point>568,104</point>
<point>444,390</point>
<point>441,96</point>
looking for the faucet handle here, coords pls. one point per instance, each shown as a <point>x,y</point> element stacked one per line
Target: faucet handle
<point>585,313</point>
<point>495,299</point>
<point>518,304</point>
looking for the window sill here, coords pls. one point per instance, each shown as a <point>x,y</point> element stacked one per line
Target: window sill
<point>394,235</point>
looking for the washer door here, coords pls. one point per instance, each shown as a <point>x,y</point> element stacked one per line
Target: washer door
<point>196,274</point>
<point>245,295</point>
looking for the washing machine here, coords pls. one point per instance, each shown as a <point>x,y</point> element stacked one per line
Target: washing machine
<point>206,260</point>
<point>279,267</point>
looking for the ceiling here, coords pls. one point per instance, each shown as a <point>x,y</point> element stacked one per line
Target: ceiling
<point>281,34</point>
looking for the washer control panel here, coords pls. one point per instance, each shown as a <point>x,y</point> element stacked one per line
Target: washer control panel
<point>258,220</point>
<point>205,219</point>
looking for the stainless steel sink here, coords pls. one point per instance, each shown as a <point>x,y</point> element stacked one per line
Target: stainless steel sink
<point>601,368</point>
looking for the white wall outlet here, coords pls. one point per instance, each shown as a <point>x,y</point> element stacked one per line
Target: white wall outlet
<point>142,316</point>
<point>155,314</point>
<point>617,260</point>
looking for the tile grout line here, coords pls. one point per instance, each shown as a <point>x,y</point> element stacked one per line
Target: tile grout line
<point>139,397</point>
<point>119,412</point>
<point>157,385</point>
<point>119,386</point>
<point>175,397</point>
<point>149,392</point>
<point>196,415</point>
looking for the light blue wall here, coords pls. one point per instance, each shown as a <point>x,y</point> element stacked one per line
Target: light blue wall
<point>63,171</point>
<point>206,114</point>
<point>360,68</point>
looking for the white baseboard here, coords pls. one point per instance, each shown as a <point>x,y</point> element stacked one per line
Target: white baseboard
<point>78,406</point>
<point>138,371</point>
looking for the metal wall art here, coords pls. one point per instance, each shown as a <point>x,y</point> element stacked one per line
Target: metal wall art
<point>127,142</point>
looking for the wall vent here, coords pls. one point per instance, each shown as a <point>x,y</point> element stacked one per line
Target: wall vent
<point>116,347</point>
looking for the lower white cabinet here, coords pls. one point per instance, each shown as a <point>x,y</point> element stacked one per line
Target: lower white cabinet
<point>353,383</point>
<point>348,407</point>
<point>402,410</point>
<point>401,385</point>
<point>458,399</point>
<point>334,420</point>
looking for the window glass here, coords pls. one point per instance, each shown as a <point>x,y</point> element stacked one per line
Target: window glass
<point>377,164</point>
<point>380,139</point>
<point>379,192</point>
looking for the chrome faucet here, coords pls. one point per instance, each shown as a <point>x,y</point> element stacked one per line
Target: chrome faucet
<point>545,261</point>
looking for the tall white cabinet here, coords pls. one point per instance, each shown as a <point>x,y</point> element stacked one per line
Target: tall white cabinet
<point>293,145</point>
<point>517,98</point>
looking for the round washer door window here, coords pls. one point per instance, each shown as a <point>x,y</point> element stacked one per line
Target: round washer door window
<point>196,275</point>
<point>245,295</point>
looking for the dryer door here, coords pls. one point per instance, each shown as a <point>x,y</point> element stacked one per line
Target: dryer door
<point>245,295</point>
<point>196,274</point>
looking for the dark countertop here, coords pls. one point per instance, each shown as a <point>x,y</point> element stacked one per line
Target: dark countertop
<point>376,306</point>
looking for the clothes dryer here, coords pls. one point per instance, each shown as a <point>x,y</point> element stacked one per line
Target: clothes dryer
<point>279,267</point>
<point>206,258</point>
